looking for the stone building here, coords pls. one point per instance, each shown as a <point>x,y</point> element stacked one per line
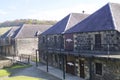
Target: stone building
<point>91,48</point>
<point>53,39</point>
<point>96,41</point>
<point>7,41</point>
<point>21,40</point>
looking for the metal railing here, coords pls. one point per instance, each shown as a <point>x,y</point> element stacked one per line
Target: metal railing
<point>87,48</point>
<point>98,47</point>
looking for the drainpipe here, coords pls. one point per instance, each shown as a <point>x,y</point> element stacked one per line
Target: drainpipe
<point>36,58</point>
<point>108,50</point>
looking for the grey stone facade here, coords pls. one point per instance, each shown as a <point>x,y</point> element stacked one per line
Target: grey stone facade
<point>86,41</point>
<point>21,40</point>
<point>110,69</point>
<point>91,48</point>
<point>26,46</point>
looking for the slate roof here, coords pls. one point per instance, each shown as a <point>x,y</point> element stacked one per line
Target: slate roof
<point>66,23</point>
<point>30,30</point>
<point>12,32</point>
<point>106,18</point>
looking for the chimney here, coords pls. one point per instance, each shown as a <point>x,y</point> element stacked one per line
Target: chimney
<point>83,11</point>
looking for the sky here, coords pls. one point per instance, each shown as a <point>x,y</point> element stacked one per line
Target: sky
<point>47,9</point>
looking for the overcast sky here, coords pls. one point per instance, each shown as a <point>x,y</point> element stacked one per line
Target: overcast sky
<point>47,9</point>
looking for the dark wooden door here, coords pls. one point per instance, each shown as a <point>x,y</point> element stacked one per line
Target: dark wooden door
<point>70,69</point>
<point>97,41</point>
<point>82,72</point>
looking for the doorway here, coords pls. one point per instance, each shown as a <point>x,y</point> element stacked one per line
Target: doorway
<point>82,72</point>
<point>97,41</point>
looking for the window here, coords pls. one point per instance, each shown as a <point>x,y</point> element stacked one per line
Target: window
<point>98,68</point>
<point>44,56</point>
<point>61,41</point>
<point>55,40</point>
<point>43,39</point>
<point>56,59</point>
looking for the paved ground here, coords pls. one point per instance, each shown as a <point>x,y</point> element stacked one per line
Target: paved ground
<point>40,72</point>
<point>58,73</point>
<point>34,72</point>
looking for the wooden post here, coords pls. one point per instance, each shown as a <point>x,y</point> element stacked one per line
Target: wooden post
<point>90,67</point>
<point>28,59</point>
<point>36,59</point>
<point>47,61</point>
<point>63,67</point>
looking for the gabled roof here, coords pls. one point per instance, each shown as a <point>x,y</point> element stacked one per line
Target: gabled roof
<point>30,30</point>
<point>66,23</point>
<point>11,33</point>
<point>106,18</point>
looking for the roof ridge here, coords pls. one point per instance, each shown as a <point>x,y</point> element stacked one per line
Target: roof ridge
<point>37,25</point>
<point>70,15</point>
<point>113,3</point>
<point>9,31</point>
<point>113,19</point>
<point>19,31</point>
<point>80,13</point>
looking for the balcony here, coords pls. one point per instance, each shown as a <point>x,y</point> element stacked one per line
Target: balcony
<point>5,41</point>
<point>99,49</point>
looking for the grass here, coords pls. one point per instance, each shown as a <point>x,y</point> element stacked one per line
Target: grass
<point>23,78</point>
<point>7,72</point>
<point>4,72</point>
<point>16,66</point>
<point>34,60</point>
<point>4,29</point>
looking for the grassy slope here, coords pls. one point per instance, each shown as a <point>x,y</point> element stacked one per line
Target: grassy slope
<point>23,78</point>
<point>4,29</point>
<point>5,72</point>
<point>16,66</point>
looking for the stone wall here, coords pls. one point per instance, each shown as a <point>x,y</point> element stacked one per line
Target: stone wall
<point>4,62</point>
<point>26,46</point>
<point>110,70</point>
<point>51,41</point>
<point>85,41</point>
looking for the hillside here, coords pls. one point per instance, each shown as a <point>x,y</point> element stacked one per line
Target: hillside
<point>20,22</point>
<point>4,29</point>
